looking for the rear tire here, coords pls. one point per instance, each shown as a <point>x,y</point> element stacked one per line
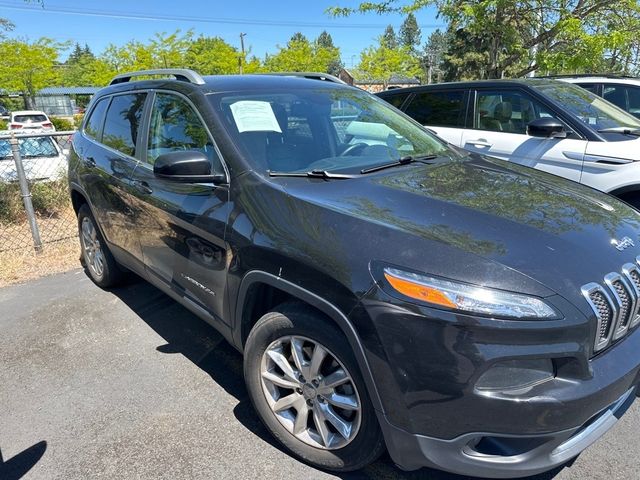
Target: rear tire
<point>97,259</point>
<point>327,419</point>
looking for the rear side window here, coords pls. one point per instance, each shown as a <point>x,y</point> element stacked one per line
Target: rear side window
<point>396,100</point>
<point>444,109</point>
<point>94,123</point>
<point>592,87</point>
<point>122,123</point>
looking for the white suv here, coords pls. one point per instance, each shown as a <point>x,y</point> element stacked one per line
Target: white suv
<point>621,91</point>
<point>30,119</point>
<point>546,124</point>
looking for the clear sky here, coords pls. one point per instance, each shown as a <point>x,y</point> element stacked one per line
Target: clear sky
<point>267,23</point>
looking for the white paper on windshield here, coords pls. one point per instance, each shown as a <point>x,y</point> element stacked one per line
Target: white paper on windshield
<point>254,116</point>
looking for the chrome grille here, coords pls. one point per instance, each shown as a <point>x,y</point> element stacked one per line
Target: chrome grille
<point>616,304</point>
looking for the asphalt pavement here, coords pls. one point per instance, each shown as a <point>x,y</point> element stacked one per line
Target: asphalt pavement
<point>128,384</point>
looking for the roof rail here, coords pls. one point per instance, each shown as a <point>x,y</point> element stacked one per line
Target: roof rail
<point>181,74</point>
<point>587,75</point>
<point>310,75</point>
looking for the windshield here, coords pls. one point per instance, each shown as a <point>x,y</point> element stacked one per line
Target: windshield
<point>588,107</point>
<point>29,148</point>
<point>327,129</point>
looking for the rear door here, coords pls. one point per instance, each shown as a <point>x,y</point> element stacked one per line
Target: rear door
<point>182,225</point>
<point>500,118</point>
<point>109,159</point>
<point>442,111</point>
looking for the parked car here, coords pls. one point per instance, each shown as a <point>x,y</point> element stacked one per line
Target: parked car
<point>42,159</point>
<point>547,124</point>
<point>465,312</point>
<point>619,90</point>
<point>30,119</point>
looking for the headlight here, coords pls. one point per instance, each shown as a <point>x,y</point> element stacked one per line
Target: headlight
<point>467,298</point>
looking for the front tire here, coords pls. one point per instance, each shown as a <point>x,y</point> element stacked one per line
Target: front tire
<point>305,384</point>
<point>96,257</point>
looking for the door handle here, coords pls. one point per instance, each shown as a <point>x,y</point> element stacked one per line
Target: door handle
<point>142,187</point>
<point>481,142</point>
<point>90,161</point>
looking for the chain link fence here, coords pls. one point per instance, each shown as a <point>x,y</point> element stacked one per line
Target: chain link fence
<point>35,207</point>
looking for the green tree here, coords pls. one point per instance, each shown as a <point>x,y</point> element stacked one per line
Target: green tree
<point>325,41</point>
<point>212,56</point>
<point>514,38</point>
<point>29,67</point>
<point>168,50</point>
<point>433,57</point>
<point>389,38</point>
<point>301,55</point>
<point>380,63</point>
<point>410,34</point>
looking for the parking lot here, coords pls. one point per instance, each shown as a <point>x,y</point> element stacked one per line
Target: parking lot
<point>128,384</point>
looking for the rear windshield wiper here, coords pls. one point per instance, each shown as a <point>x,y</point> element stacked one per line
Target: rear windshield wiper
<point>312,174</point>
<point>402,161</point>
<point>624,130</point>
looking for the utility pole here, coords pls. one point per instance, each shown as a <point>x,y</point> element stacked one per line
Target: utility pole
<point>241,59</point>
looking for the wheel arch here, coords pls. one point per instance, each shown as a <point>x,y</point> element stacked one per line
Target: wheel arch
<point>257,281</point>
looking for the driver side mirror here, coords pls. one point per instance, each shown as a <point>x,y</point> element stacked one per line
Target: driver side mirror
<point>186,166</point>
<point>546,127</point>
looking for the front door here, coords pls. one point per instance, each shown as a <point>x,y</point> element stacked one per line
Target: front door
<point>500,130</point>
<point>182,234</point>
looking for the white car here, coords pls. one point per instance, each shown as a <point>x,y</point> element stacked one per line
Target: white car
<point>546,124</point>
<point>30,119</point>
<point>42,159</point>
<point>621,91</point>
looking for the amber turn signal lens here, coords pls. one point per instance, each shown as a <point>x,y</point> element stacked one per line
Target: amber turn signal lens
<point>419,292</point>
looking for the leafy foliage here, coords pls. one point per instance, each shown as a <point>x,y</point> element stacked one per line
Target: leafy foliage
<point>301,55</point>
<point>380,63</point>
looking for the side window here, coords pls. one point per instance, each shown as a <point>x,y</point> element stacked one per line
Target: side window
<point>592,87</point>
<point>93,124</point>
<point>616,94</point>
<point>507,111</point>
<point>175,126</point>
<point>634,100</point>
<point>440,109</point>
<point>122,123</point>
<point>397,99</point>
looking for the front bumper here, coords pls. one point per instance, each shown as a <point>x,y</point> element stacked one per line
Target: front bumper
<point>487,455</point>
<point>426,365</point>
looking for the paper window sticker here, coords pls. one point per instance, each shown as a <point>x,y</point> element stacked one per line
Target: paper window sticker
<point>254,116</point>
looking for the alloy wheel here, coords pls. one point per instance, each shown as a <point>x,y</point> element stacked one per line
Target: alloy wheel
<point>310,392</point>
<point>91,247</point>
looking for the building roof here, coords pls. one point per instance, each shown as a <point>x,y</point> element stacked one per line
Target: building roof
<point>394,79</point>
<point>68,91</point>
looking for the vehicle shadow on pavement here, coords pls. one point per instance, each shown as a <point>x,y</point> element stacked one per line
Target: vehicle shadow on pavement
<point>193,338</point>
<point>18,466</point>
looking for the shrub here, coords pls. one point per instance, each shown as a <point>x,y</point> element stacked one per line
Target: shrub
<point>48,198</point>
<point>77,120</point>
<point>3,124</point>
<point>62,124</point>
<point>11,207</point>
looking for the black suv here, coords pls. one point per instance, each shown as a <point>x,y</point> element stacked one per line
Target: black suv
<point>386,289</point>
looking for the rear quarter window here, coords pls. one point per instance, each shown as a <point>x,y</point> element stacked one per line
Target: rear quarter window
<point>93,125</point>
<point>444,109</point>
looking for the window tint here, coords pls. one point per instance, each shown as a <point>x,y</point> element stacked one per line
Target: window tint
<point>122,122</point>
<point>507,111</point>
<point>624,96</point>
<point>438,108</point>
<point>175,126</point>
<point>94,124</point>
<point>592,87</point>
<point>396,100</point>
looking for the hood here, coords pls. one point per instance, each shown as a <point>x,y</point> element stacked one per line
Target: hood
<point>551,230</point>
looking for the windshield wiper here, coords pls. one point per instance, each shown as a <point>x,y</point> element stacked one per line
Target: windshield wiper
<point>312,174</point>
<point>624,130</point>
<point>401,161</point>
